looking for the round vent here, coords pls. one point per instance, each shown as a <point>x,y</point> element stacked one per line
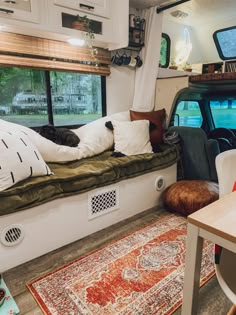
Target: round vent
<point>160,183</point>
<point>12,235</point>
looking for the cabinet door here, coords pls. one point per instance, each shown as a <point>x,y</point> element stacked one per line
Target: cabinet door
<point>96,7</point>
<point>20,10</point>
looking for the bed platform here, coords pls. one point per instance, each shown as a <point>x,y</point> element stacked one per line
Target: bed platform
<point>81,198</point>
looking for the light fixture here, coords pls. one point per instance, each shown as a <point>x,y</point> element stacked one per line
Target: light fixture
<point>76,41</point>
<point>179,14</point>
<point>10,1</point>
<point>170,5</point>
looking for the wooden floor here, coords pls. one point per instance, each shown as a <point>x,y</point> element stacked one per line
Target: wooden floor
<point>212,298</point>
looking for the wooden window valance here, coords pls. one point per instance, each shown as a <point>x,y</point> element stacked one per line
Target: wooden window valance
<point>40,53</point>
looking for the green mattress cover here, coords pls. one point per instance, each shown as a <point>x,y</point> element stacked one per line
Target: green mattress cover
<point>82,175</point>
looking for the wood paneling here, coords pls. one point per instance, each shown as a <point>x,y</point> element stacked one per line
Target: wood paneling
<point>212,298</point>
<point>17,277</point>
<point>210,77</point>
<point>52,65</point>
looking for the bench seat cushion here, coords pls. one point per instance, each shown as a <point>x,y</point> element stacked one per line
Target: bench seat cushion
<point>83,175</point>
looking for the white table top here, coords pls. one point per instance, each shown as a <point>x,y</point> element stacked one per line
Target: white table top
<point>218,217</point>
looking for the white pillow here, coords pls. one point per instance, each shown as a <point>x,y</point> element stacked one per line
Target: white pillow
<point>51,152</point>
<point>19,159</point>
<point>132,137</point>
<point>95,137</point>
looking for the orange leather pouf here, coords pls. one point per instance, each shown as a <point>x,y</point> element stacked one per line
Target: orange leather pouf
<point>188,196</point>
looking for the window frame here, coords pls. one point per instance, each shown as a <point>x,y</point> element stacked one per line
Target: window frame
<point>50,114</point>
<point>178,101</point>
<point>218,47</point>
<point>168,41</point>
<point>213,114</point>
<point>49,102</point>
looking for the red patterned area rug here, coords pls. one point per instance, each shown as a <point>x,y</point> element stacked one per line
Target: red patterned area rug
<point>140,274</point>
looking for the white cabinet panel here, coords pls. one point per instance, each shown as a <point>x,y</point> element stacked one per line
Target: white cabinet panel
<point>28,11</point>
<point>54,19</point>
<point>96,7</point>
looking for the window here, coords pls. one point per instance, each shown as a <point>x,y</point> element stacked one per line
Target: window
<point>188,114</point>
<point>35,97</point>
<point>225,42</point>
<point>224,113</point>
<point>165,51</point>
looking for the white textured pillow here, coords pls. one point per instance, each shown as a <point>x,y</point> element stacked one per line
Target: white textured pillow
<point>95,137</point>
<point>132,137</point>
<point>51,152</point>
<point>19,159</point>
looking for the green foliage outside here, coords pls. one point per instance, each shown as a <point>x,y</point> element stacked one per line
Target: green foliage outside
<point>223,117</point>
<point>163,52</point>
<point>40,120</point>
<point>75,96</point>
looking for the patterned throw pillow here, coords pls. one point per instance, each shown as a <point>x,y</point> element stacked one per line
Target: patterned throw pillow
<point>19,159</point>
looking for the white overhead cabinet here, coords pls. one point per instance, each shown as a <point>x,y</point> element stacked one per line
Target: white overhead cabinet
<point>64,20</point>
<point>23,10</point>
<point>96,7</point>
<point>55,19</point>
<point>108,20</point>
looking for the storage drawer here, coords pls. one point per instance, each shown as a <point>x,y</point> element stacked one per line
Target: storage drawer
<point>96,7</point>
<point>21,10</point>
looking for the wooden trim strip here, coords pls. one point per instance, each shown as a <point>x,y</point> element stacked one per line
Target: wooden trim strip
<point>42,64</point>
<point>208,77</point>
<point>33,48</point>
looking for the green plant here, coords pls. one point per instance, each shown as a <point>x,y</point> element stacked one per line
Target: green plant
<point>173,62</point>
<point>187,66</point>
<point>85,25</point>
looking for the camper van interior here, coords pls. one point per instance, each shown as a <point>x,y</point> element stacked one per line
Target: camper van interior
<point>113,114</point>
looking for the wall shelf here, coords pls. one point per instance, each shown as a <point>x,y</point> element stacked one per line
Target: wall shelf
<point>216,67</point>
<point>230,66</point>
<point>136,31</point>
<point>213,77</point>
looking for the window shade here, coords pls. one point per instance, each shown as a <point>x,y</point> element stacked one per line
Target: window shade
<point>40,53</point>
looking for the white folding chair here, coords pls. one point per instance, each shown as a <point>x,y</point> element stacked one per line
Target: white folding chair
<point>226,269</point>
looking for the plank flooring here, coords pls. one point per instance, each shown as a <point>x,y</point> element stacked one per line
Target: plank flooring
<point>212,299</point>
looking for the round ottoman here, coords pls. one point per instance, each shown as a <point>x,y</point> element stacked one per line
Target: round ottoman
<point>187,196</point>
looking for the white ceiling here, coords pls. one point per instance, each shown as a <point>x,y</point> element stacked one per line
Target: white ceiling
<point>199,11</point>
<point>143,4</point>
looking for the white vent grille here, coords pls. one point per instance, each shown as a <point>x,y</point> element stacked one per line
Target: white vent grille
<point>179,14</point>
<point>12,235</point>
<point>103,201</point>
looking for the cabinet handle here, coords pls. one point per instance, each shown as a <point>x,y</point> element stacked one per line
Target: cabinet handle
<point>85,6</point>
<point>6,11</point>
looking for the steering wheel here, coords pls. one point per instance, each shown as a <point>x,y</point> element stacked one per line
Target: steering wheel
<point>221,133</point>
<point>224,136</point>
